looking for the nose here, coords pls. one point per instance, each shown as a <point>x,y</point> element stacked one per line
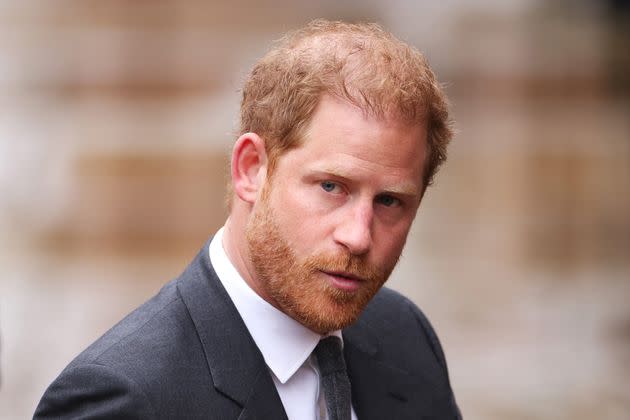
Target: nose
<point>354,232</point>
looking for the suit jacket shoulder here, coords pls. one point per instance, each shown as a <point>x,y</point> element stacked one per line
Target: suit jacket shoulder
<point>152,364</point>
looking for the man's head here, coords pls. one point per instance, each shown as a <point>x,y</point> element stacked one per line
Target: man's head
<point>343,127</point>
<point>359,63</point>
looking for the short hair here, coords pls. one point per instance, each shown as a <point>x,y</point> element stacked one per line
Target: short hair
<point>360,63</point>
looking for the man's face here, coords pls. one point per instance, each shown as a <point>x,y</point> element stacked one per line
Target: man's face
<point>332,221</point>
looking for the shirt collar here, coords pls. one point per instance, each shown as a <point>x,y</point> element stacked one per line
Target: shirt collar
<point>284,343</point>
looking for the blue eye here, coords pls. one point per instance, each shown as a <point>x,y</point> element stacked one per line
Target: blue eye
<point>387,200</point>
<point>328,186</point>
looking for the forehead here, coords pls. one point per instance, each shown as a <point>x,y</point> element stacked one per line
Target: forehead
<point>341,137</point>
<point>337,125</point>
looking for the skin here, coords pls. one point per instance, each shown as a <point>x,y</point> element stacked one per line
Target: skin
<point>319,238</point>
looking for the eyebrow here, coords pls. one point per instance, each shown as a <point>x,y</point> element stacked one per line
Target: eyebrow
<point>405,189</point>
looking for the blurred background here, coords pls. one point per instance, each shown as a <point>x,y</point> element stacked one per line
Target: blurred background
<point>117,118</point>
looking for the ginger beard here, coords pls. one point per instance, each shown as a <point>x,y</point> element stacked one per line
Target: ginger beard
<point>298,287</point>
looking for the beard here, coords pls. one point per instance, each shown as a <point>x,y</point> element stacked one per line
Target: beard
<point>298,287</point>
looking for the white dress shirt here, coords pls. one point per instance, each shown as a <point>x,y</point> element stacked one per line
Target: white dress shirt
<point>286,345</point>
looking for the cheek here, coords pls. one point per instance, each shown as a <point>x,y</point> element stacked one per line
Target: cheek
<point>294,217</point>
<point>391,241</point>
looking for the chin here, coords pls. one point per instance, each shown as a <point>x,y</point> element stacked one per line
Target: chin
<point>324,317</point>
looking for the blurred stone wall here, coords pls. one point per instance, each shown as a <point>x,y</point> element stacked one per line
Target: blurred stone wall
<point>116,124</point>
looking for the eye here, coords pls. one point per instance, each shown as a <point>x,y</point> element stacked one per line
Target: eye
<point>329,186</point>
<point>388,201</point>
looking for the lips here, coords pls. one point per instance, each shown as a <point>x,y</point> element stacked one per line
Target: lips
<point>343,280</point>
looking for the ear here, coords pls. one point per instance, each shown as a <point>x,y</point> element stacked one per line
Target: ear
<point>249,166</point>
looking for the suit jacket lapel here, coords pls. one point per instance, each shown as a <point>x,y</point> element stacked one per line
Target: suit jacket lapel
<point>237,367</point>
<point>379,390</point>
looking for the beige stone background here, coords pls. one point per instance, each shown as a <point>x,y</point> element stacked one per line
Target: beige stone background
<point>116,118</point>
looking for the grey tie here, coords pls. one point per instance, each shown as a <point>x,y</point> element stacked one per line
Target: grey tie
<point>334,378</point>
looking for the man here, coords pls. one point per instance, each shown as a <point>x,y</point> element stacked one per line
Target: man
<point>342,129</point>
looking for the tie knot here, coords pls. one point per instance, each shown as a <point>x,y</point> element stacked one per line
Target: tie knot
<point>329,356</point>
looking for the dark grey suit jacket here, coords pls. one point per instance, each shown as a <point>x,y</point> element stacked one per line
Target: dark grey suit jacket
<point>186,353</point>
